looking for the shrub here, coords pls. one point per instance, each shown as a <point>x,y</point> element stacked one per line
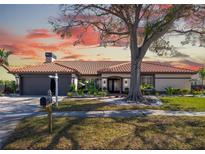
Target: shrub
<point>91,88</point>
<point>147,89</point>
<point>196,92</point>
<point>185,91</point>
<point>72,88</point>
<point>95,93</point>
<point>8,87</point>
<point>177,91</point>
<point>102,93</point>
<point>81,92</point>
<point>169,90</point>
<point>157,93</point>
<point>104,89</point>
<point>70,94</point>
<point>126,90</point>
<point>1,86</point>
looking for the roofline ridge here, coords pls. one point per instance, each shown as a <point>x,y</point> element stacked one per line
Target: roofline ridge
<point>113,66</point>
<point>160,64</point>
<point>92,61</point>
<point>66,66</point>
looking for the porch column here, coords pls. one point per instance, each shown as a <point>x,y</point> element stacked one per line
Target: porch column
<point>74,80</point>
<point>104,83</point>
<point>17,77</point>
<point>126,83</point>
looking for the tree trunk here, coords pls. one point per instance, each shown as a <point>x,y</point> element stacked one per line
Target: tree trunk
<point>135,83</point>
<point>137,55</point>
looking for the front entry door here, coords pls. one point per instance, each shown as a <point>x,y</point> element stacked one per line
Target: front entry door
<point>113,85</point>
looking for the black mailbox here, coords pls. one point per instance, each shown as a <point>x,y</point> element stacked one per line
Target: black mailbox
<point>43,101</point>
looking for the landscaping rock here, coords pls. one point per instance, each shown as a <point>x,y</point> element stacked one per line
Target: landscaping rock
<point>150,100</point>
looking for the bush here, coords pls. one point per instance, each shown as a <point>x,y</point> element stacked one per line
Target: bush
<point>91,88</point>
<point>72,88</point>
<point>157,93</point>
<point>169,90</point>
<point>185,91</point>
<point>197,92</point>
<point>70,94</point>
<point>177,91</point>
<point>80,92</point>
<point>8,87</point>
<point>104,89</point>
<point>126,90</point>
<point>1,86</point>
<point>102,93</point>
<point>147,89</point>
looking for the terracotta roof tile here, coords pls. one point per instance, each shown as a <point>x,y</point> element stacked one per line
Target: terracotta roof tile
<point>89,67</point>
<point>95,67</point>
<point>146,67</point>
<point>43,68</point>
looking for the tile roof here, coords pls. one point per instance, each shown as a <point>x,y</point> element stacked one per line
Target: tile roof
<point>95,67</point>
<point>43,68</point>
<point>146,67</point>
<point>89,67</point>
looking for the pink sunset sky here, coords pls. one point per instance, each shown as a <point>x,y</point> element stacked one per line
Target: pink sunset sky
<point>25,30</point>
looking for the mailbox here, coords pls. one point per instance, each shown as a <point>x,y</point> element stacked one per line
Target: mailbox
<point>43,101</point>
<point>46,100</point>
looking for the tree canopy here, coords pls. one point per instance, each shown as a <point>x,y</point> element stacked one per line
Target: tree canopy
<point>4,57</point>
<point>137,26</point>
<point>115,23</point>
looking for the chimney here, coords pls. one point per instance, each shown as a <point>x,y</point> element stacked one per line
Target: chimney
<point>50,57</point>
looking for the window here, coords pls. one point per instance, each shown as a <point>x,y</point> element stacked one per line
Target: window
<point>147,80</point>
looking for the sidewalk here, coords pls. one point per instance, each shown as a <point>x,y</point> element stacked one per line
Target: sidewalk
<point>120,114</point>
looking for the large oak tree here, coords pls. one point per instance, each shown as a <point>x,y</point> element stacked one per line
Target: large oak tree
<point>139,26</point>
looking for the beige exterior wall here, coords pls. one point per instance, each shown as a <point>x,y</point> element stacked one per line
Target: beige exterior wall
<point>123,75</point>
<point>125,84</point>
<point>162,81</point>
<point>181,81</point>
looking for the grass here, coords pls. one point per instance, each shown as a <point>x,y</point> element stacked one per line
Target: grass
<point>169,103</point>
<point>154,132</point>
<point>183,103</point>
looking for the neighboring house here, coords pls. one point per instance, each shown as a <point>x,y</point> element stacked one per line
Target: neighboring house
<point>111,75</point>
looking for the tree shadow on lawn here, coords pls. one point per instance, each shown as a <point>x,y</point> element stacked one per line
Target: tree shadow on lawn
<point>161,134</point>
<point>81,105</point>
<point>156,132</point>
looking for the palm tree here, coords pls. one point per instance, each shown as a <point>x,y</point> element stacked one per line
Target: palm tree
<point>4,57</point>
<point>202,75</point>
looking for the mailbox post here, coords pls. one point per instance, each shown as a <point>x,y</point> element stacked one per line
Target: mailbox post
<point>46,102</point>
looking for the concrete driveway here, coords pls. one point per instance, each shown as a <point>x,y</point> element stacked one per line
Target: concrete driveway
<point>12,110</point>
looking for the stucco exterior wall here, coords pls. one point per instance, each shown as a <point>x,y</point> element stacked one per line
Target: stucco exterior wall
<point>181,81</point>
<point>123,75</point>
<point>125,84</point>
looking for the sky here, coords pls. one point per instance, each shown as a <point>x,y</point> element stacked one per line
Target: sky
<point>25,30</point>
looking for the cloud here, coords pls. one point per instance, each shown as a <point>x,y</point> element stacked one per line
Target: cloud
<point>39,33</point>
<point>179,54</point>
<point>26,46</point>
<point>73,56</point>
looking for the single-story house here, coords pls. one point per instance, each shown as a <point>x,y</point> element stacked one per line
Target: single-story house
<point>111,75</point>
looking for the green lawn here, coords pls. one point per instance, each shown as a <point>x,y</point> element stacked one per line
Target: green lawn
<point>152,132</point>
<point>169,103</point>
<point>183,103</point>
